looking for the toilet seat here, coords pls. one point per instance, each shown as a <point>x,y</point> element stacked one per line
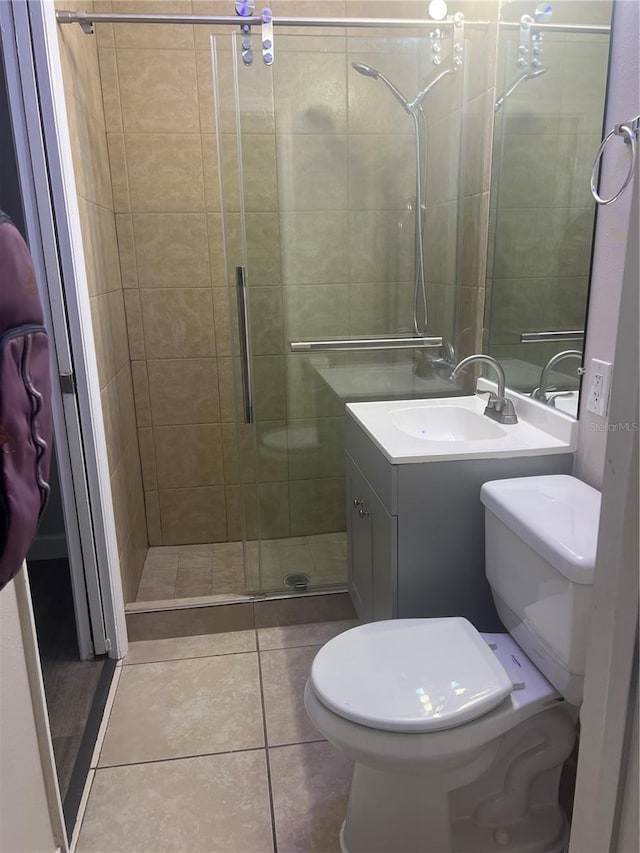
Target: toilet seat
<point>410,675</point>
<point>532,694</point>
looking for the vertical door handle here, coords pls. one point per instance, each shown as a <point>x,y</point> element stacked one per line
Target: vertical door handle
<point>245,358</point>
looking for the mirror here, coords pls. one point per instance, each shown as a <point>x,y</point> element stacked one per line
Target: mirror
<point>550,100</point>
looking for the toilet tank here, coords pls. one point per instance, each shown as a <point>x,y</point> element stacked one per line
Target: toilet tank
<point>540,549</point>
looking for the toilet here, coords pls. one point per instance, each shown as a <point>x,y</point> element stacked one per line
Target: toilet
<point>458,738</point>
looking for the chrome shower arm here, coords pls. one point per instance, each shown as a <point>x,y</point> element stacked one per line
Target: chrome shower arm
<point>527,75</point>
<point>422,94</point>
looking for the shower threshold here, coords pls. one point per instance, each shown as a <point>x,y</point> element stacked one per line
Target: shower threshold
<point>230,598</point>
<point>183,575</point>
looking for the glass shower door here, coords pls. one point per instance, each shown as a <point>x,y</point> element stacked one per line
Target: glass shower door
<point>318,167</point>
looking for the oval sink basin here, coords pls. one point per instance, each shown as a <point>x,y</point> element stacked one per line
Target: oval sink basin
<point>445,423</point>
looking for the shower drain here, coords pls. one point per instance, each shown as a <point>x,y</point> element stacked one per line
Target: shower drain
<point>297,580</point>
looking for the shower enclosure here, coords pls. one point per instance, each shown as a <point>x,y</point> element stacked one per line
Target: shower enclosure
<point>342,207</point>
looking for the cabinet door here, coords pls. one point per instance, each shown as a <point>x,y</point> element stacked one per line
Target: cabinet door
<point>372,534</point>
<point>384,558</point>
<point>360,578</point>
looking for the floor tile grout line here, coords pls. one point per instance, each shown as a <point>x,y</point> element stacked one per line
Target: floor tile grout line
<point>190,657</point>
<point>266,747</point>
<point>295,646</point>
<point>274,835</point>
<point>170,758</point>
<point>296,743</point>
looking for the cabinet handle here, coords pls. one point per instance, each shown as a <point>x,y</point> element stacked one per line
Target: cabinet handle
<point>357,503</point>
<point>363,513</point>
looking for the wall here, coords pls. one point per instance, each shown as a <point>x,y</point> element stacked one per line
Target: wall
<point>83,97</point>
<point>612,231</point>
<point>328,175</point>
<point>162,150</point>
<point>26,825</point>
<point>628,840</point>
<point>477,136</point>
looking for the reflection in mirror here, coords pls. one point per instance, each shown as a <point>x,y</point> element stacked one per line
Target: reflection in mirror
<point>550,98</point>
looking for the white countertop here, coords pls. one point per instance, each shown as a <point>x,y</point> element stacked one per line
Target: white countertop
<point>540,430</point>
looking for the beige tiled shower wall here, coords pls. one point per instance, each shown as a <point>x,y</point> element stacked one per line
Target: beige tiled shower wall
<point>91,165</point>
<point>328,175</point>
<point>162,151</point>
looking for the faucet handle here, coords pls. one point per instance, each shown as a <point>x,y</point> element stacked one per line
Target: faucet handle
<point>507,413</point>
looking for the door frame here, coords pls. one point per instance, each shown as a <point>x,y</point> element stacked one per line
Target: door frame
<point>43,148</point>
<point>610,707</point>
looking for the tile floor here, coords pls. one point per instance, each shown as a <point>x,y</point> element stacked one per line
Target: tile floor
<point>189,571</point>
<point>206,747</point>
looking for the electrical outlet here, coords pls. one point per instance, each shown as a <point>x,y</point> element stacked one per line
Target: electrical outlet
<point>599,376</point>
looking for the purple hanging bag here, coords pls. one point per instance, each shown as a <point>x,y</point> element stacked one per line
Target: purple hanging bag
<point>25,402</point>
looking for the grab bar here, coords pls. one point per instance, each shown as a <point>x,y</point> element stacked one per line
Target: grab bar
<point>245,359</point>
<point>364,344</point>
<point>536,337</point>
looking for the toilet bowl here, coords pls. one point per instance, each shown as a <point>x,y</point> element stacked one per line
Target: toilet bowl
<point>458,738</point>
<point>282,442</point>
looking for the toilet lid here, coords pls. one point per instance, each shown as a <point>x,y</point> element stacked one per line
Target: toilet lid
<point>410,675</point>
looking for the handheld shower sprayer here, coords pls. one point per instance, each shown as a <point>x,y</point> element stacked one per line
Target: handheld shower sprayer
<point>369,71</point>
<point>365,70</point>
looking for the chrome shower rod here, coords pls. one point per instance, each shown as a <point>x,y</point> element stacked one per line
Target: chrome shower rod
<point>589,29</point>
<point>87,19</point>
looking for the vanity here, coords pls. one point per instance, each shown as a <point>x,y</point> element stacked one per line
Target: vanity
<point>414,518</point>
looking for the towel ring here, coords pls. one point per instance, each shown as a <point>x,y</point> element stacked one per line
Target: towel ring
<point>629,131</point>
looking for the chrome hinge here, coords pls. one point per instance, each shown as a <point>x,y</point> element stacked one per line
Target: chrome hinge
<point>245,9</point>
<point>107,644</point>
<point>67,383</point>
<point>267,36</point>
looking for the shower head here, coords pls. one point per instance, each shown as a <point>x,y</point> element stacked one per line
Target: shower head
<point>529,74</point>
<point>370,71</point>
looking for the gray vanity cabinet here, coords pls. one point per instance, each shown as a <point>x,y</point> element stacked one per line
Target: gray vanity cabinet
<point>416,531</point>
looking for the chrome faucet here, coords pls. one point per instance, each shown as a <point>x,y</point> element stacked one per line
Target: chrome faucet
<point>499,408</point>
<point>540,393</point>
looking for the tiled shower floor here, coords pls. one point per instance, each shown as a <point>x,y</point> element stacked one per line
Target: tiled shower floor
<point>191,571</point>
